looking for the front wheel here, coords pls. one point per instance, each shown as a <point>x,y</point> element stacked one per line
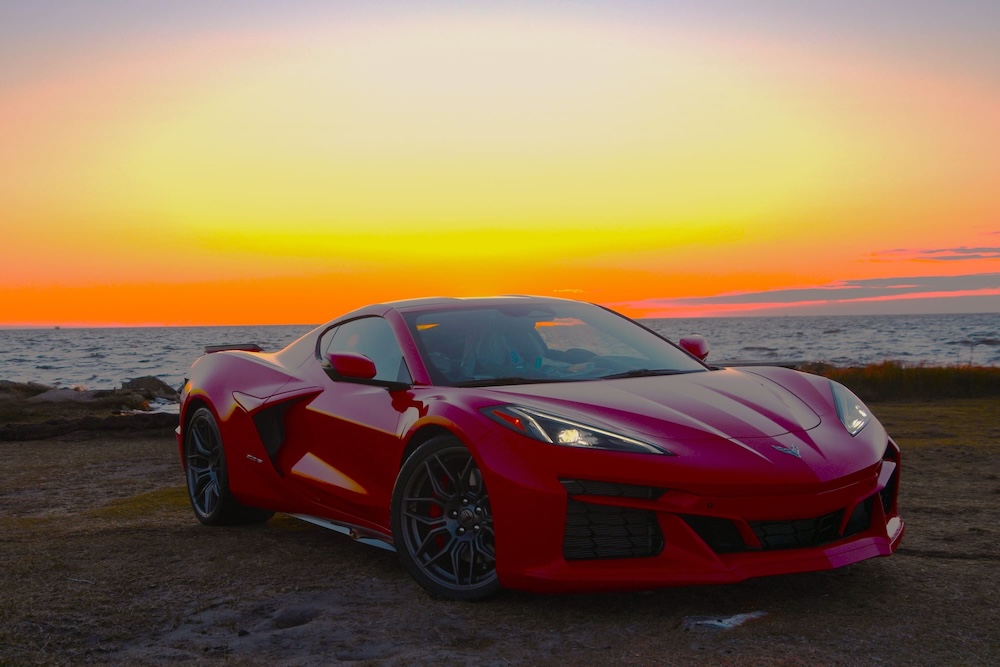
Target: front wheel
<point>208,478</point>
<point>442,525</point>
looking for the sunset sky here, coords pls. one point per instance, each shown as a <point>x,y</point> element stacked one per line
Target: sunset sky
<point>250,162</point>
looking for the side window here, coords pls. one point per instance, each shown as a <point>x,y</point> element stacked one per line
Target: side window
<point>372,337</point>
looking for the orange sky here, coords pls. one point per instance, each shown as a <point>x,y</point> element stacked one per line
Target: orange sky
<point>284,169</point>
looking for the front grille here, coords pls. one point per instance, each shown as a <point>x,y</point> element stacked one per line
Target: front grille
<point>589,487</point>
<point>605,531</point>
<point>797,533</point>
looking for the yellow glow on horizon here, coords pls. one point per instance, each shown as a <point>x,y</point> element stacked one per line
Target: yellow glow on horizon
<point>505,153</point>
<point>473,126</point>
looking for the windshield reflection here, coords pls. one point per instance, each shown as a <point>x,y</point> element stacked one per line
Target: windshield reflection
<point>530,344</point>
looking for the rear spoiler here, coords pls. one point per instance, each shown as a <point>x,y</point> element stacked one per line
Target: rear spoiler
<point>245,347</point>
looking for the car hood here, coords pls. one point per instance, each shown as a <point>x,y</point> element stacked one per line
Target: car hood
<point>722,403</point>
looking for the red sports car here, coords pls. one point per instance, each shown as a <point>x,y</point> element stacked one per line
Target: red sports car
<point>539,444</point>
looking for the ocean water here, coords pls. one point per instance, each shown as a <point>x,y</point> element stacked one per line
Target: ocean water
<point>846,340</point>
<point>105,358</point>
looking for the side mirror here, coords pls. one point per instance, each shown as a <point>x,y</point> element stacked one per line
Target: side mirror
<point>695,346</point>
<point>351,366</point>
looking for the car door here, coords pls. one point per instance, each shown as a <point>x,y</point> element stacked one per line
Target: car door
<point>343,447</point>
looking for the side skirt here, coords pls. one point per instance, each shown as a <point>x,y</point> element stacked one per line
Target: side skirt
<point>357,534</point>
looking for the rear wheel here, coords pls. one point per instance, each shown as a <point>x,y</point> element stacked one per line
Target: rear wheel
<point>442,525</point>
<point>207,476</point>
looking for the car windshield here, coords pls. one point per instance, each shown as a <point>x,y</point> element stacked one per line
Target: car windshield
<point>551,342</point>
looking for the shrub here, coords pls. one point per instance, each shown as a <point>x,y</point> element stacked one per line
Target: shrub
<point>891,380</point>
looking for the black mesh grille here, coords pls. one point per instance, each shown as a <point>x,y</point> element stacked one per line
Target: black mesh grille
<point>721,535</point>
<point>798,532</point>
<point>588,487</point>
<point>604,531</point>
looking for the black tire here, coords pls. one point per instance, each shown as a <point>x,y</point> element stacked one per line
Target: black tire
<point>208,479</point>
<point>442,525</point>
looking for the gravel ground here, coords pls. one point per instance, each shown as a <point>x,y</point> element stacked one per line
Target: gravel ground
<point>102,561</point>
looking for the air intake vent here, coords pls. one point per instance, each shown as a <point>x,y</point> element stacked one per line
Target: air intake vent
<point>888,494</point>
<point>721,535</point>
<point>797,533</point>
<point>604,531</point>
<point>861,518</point>
<point>586,487</point>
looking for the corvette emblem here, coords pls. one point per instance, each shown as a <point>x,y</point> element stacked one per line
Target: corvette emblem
<point>791,449</point>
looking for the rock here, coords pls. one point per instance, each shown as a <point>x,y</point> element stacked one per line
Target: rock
<point>118,400</point>
<point>10,389</point>
<point>719,622</point>
<point>293,617</point>
<point>151,387</point>
<point>59,395</point>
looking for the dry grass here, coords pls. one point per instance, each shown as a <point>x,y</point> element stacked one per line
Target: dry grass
<point>151,503</point>
<point>942,422</point>
<point>891,381</point>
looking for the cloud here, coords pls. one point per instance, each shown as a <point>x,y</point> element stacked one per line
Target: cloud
<point>838,294</point>
<point>962,253</point>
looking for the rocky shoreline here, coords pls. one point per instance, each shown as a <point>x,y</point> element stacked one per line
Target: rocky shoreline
<point>57,427</point>
<point>33,411</point>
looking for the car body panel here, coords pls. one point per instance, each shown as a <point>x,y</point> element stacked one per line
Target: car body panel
<point>750,447</point>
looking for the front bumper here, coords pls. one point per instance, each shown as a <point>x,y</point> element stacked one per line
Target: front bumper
<point>574,529</point>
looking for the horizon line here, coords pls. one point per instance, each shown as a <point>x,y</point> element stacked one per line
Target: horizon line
<point>722,316</point>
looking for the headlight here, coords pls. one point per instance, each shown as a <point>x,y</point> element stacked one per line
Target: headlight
<point>559,431</point>
<point>851,410</point>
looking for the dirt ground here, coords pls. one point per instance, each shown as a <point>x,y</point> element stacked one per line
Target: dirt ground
<point>102,561</point>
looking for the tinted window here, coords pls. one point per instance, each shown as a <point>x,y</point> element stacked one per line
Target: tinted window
<point>539,343</point>
<point>372,337</point>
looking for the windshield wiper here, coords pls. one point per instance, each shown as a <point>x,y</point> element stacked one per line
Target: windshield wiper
<point>489,382</point>
<point>645,372</point>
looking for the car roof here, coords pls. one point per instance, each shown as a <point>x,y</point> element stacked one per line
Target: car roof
<point>444,303</point>
<point>458,303</point>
